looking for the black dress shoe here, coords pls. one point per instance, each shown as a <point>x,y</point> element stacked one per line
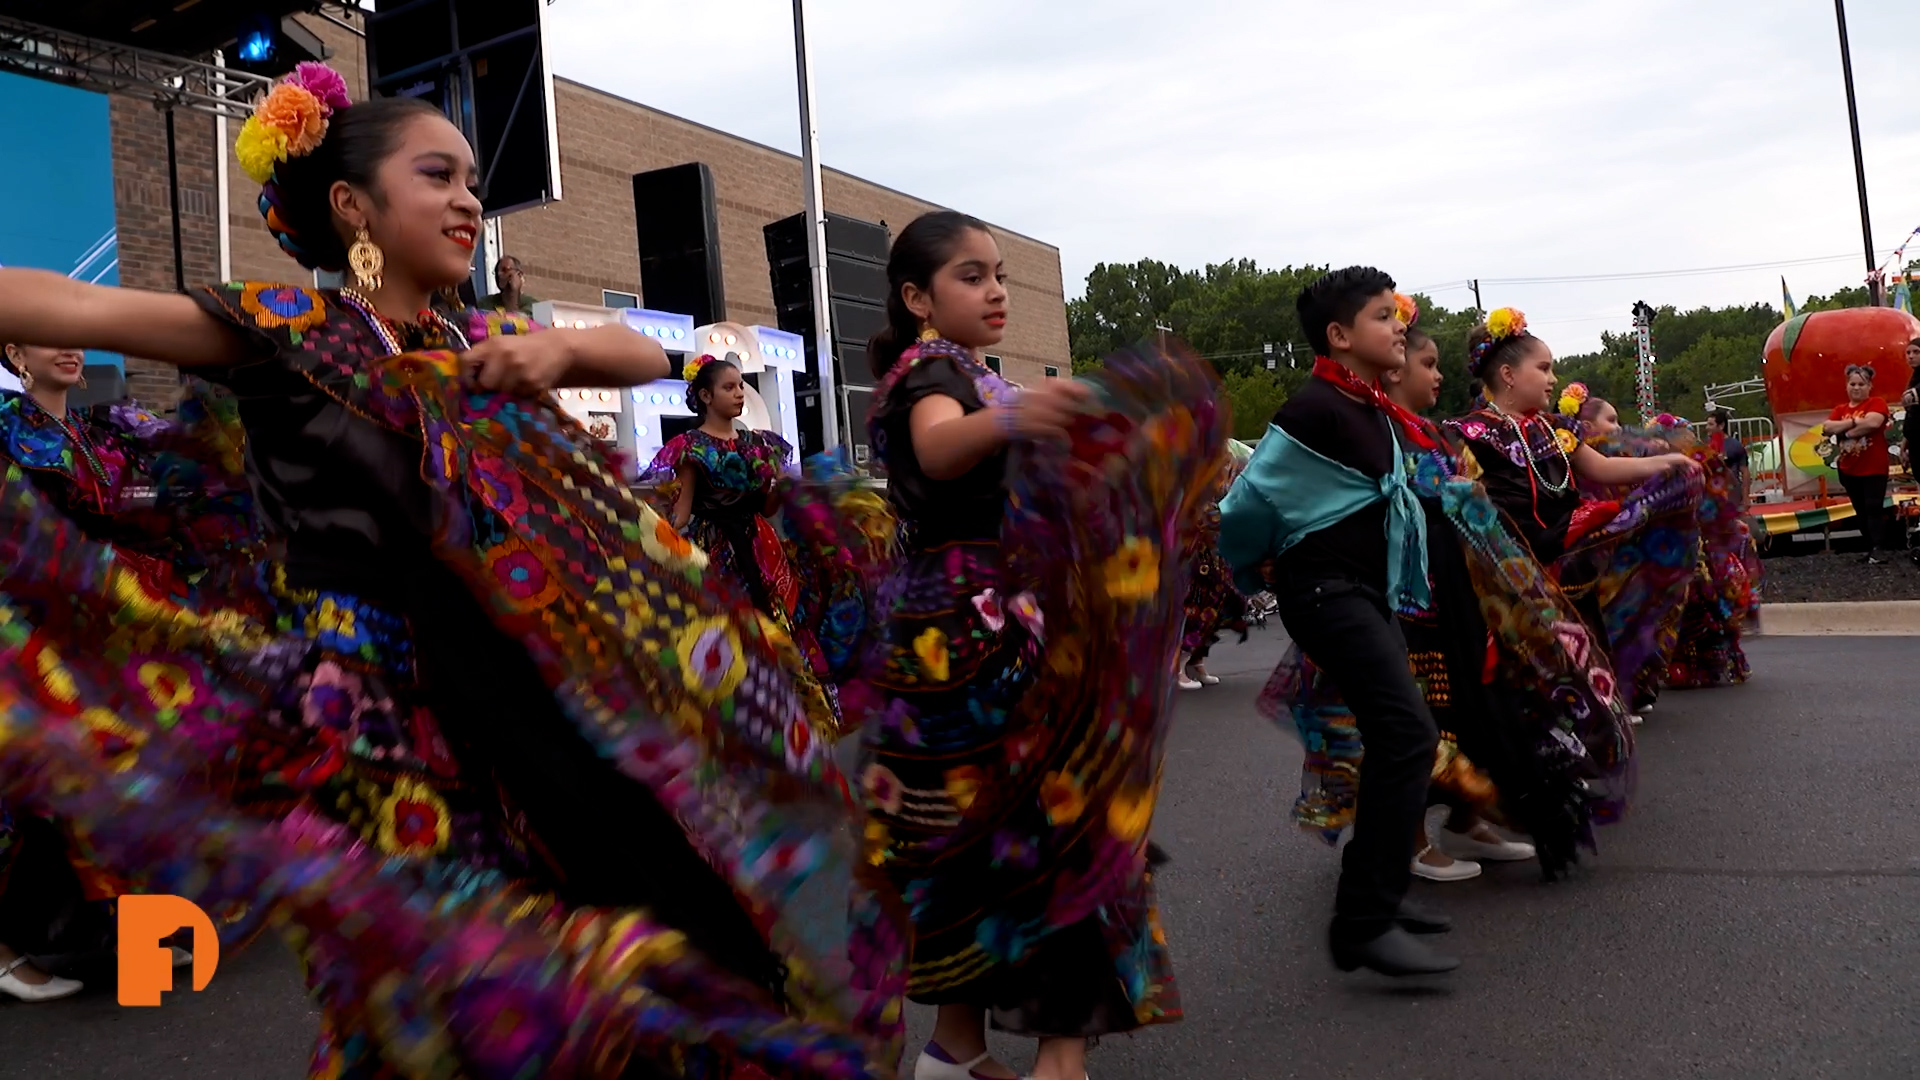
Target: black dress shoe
<point>1157,856</point>
<point>1395,952</point>
<point>1418,920</point>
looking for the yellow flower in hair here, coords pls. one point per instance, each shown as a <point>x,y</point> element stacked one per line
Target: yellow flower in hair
<point>260,147</point>
<point>1569,405</point>
<point>1506,322</point>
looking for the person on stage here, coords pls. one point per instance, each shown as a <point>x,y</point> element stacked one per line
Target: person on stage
<point>1018,700</point>
<point>1324,504</point>
<point>1860,426</point>
<point>1533,462</point>
<point>514,686</point>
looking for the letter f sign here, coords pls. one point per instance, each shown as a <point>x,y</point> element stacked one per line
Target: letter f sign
<point>146,966</point>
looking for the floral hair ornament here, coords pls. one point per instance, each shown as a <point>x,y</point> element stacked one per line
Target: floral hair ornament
<point>692,369</point>
<point>291,119</point>
<point>1405,309</point>
<point>1574,396</point>
<point>1502,324</point>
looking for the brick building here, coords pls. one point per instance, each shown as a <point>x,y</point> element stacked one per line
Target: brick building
<point>576,249</point>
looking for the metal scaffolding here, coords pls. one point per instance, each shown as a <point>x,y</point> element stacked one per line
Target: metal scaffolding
<point>170,82</point>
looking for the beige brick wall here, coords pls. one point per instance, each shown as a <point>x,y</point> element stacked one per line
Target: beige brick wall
<point>585,243</point>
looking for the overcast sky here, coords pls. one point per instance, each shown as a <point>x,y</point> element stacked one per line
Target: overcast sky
<point>1440,141</point>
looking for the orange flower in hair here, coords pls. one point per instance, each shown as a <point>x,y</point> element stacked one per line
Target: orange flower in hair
<point>295,111</point>
<point>1405,309</point>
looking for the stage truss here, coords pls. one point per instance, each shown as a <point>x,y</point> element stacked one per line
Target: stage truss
<point>170,82</point>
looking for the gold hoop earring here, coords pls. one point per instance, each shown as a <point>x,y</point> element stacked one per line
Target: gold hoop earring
<point>929,334</point>
<point>366,260</point>
<point>26,380</point>
<point>83,381</point>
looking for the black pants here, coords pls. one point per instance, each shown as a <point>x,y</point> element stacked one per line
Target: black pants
<point>1349,633</point>
<point>1869,495</point>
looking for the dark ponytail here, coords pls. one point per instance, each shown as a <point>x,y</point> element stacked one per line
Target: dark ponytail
<point>297,201</point>
<point>921,249</point>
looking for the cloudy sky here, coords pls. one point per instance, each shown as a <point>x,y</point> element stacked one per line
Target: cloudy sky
<point>1498,139</point>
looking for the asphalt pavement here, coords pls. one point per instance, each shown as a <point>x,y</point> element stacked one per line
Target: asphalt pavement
<point>1754,916</point>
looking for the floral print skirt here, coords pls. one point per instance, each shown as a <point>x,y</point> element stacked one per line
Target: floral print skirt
<point>349,733</point>
<point>958,792</point>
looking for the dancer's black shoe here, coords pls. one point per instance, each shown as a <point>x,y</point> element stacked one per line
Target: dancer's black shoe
<point>1157,856</point>
<point>1395,952</point>
<point>1415,919</point>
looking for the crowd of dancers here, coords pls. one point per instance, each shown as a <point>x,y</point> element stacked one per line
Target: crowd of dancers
<point>373,646</point>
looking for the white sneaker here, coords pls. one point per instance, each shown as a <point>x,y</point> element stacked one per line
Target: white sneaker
<point>1635,719</point>
<point>1459,870</point>
<point>1189,684</point>
<point>1210,680</point>
<point>51,990</point>
<point>1466,846</point>
<point>929,1067</point>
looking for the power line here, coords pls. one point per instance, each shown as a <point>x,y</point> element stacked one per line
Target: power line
<point>1566,279</point>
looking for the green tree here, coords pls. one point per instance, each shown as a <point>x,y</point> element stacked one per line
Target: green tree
<point>1255,396</point>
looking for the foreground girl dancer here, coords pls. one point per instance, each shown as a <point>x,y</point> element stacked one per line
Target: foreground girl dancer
<point>1021,687</point>
<point>521,703</point>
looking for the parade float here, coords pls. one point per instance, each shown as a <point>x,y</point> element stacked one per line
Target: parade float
<point>1805,365</point>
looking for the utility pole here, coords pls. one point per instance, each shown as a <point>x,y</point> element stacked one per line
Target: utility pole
<point>1859,160</point>
<point>815,203</point>
<point>1476,297</point>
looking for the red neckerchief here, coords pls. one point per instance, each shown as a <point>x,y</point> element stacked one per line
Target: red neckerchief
<point>1341,376</point>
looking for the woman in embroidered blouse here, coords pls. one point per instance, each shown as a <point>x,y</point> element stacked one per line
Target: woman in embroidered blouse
<point>961,781</point>
<point>430,713</point>
<point>1532,462</point>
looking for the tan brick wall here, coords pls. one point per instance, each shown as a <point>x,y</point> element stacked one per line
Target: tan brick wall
<point>586,242</point>
<point>143,216</point>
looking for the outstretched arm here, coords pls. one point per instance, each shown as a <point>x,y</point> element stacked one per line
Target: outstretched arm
<point>38,307</point>
<point>1594,466</point>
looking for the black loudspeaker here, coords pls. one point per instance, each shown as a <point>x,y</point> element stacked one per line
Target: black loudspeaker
<point>680,242</point>
<point>857,302</point>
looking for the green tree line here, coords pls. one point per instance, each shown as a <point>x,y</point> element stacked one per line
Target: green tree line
<point>1231,313</point>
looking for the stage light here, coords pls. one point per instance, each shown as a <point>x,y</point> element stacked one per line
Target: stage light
<point>258,41</point>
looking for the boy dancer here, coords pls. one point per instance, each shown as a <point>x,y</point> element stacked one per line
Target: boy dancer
<point>1325,508</point>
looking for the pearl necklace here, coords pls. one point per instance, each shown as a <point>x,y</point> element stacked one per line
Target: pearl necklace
<point>383,329</point>
<point>1526,448</point>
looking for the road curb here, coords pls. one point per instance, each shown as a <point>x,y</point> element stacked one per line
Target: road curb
<point>1877,618</point>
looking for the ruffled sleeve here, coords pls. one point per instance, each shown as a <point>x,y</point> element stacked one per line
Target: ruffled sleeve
<point>936,375</point>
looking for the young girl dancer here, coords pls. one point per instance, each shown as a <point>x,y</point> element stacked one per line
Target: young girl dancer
<point>1625,561</point>
<point>1020,689</point>
<point>513,671</point>
<point>724,485</point>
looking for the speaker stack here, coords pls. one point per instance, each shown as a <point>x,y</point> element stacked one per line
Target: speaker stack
<point>679,236</point>
<point>857,301</point>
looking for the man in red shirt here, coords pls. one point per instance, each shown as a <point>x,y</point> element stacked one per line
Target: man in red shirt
<point>1861,427</point>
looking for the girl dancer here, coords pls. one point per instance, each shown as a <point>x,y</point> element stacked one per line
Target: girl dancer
<point>724,485</point>
<point>1701,642</point>
<point>513,670</point>
<point>1213,604</point>
<point>1624,561</point>
<point>1021,682</point>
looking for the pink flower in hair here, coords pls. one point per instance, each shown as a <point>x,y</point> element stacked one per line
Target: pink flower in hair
<point>322,82</point>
